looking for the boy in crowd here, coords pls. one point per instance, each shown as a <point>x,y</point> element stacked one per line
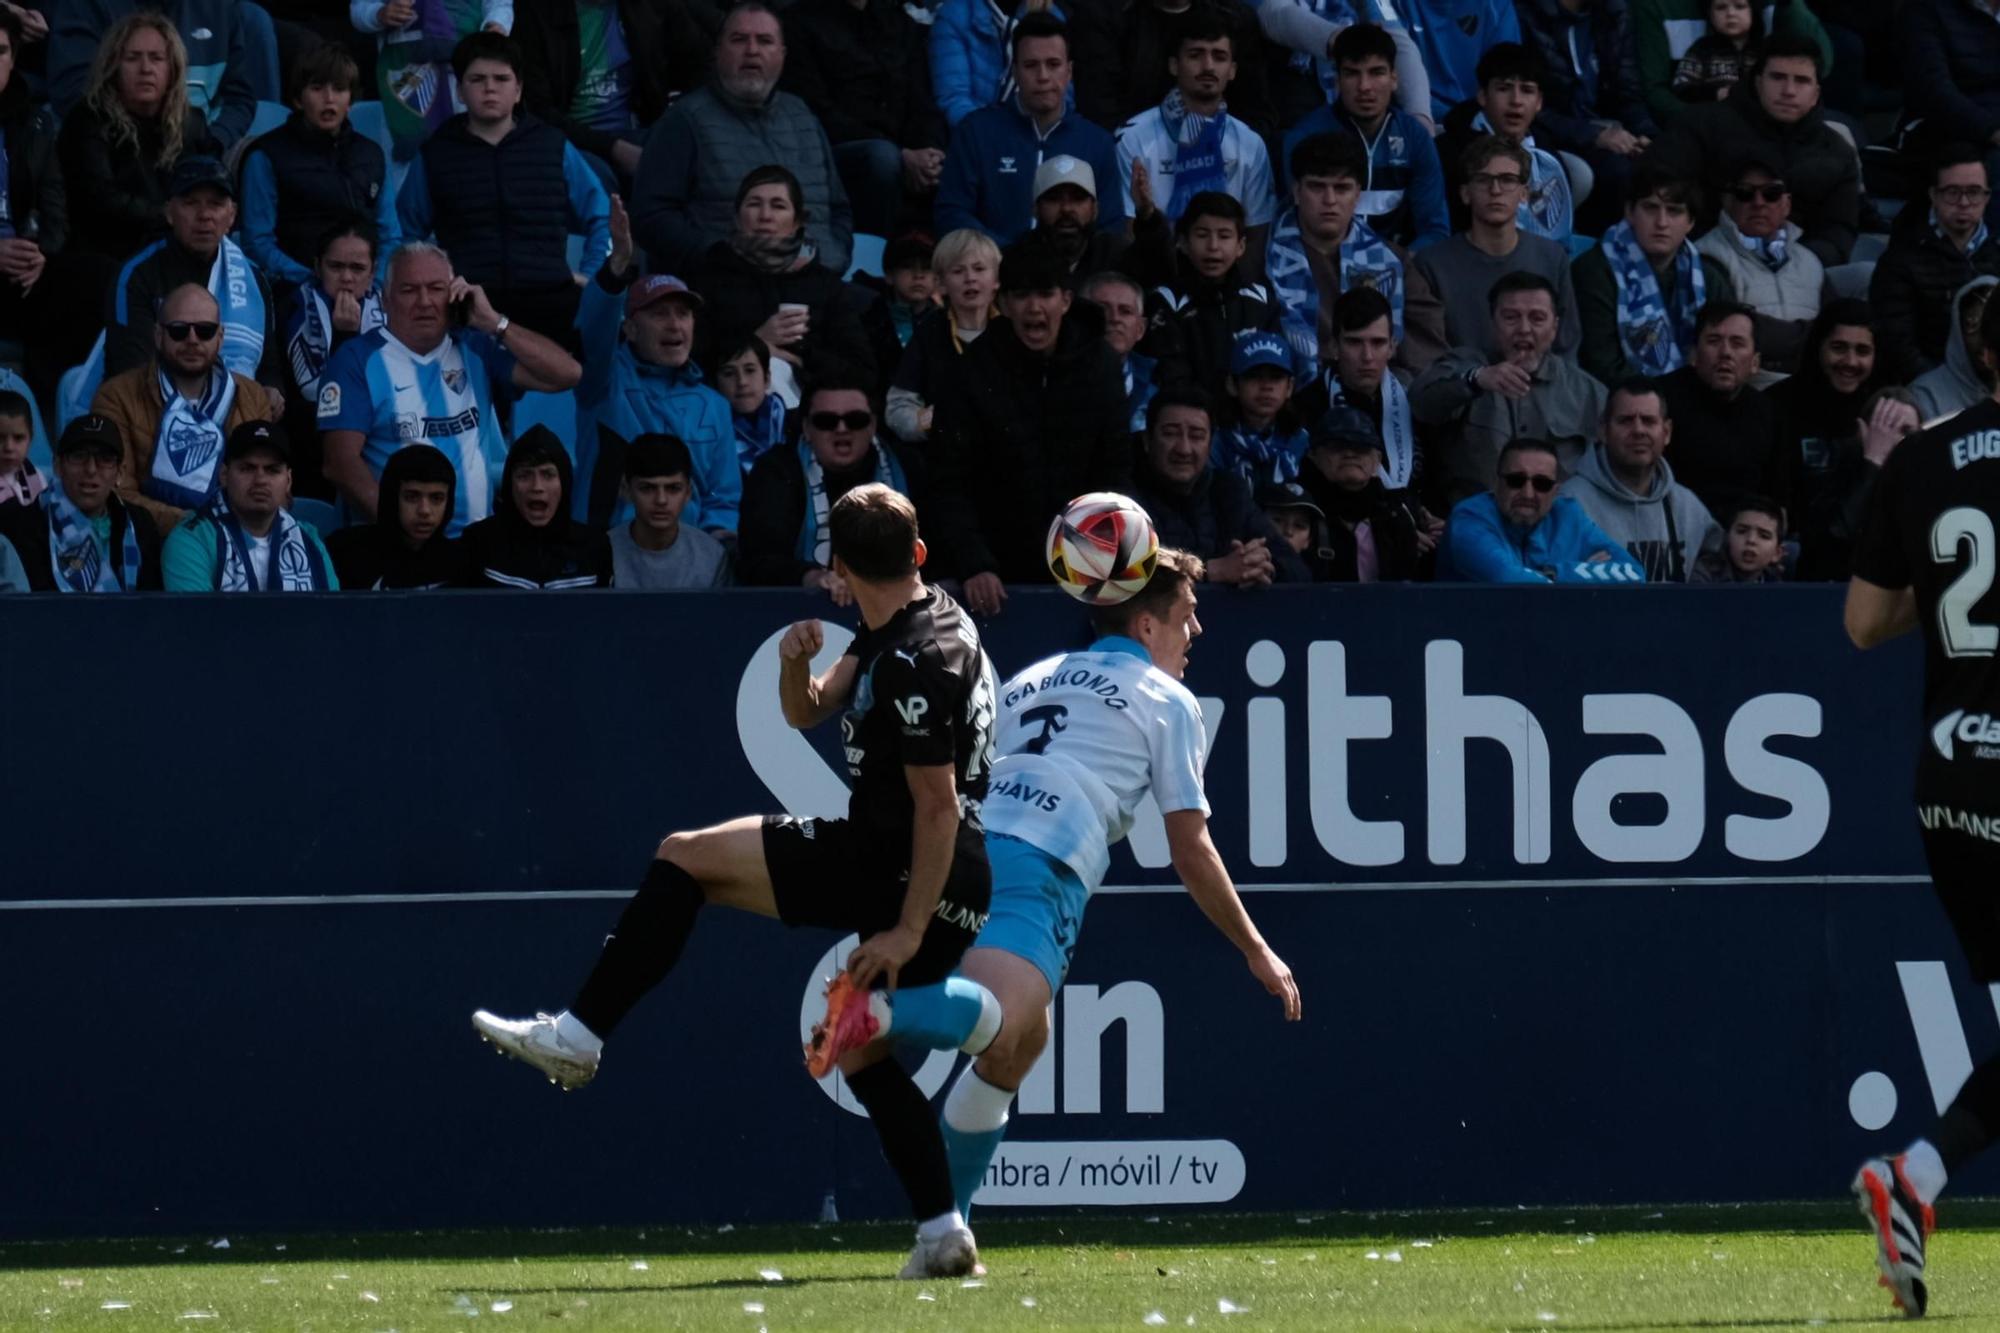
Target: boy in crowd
<point>743,376</point>
<point>1754,553</point>
<point>20,483</point>
<point>654,550</point>
<point>1260,437</point>
<point>908,292</point>
<point>408,546</point>
<point>1204,299</point>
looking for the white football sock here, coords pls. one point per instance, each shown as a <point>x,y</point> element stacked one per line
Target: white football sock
<point>571,1029</point>
<point>1924,1169</point>
<point>880,1010</point>
<point>988,1026</point>
<point>937,1228</point>
<point>974,1106</point>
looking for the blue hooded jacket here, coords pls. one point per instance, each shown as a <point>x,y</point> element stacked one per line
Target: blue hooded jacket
<point>989,171</point>
<point>1482,547</point>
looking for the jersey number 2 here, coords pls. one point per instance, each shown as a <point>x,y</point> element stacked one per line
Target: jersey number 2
<point>1972,527</point>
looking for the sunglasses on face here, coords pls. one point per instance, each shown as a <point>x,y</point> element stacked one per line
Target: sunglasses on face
<point>179,329</point>
<point>1515,481</point>
<point>838,420</point>
<point>1770,194</point>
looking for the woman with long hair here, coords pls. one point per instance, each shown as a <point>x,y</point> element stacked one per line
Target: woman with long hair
<point>119,146</point>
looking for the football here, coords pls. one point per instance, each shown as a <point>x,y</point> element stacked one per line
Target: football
<point>1102,548</point>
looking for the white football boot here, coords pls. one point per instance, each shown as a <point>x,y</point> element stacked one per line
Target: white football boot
<point>539,1042</point>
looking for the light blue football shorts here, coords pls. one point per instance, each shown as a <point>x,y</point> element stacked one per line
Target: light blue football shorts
<point>1037,909</point>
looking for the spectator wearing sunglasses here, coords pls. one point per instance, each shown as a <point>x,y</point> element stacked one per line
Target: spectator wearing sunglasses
<point>784,540</point>
<point>1476,403</point>
<point>1932,254</point>
<point>1756,243</point>
<point>175,412</point>
<point>1522,531</point>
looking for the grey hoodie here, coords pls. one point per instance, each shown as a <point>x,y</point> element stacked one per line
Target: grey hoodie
<point>1955,385</point>
<point>1649,526</point>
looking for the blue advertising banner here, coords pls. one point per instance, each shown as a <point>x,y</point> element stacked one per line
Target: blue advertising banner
<point>1593,895</point>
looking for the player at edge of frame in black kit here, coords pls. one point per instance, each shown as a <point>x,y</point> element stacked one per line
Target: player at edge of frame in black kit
<point>1926,561</point>
<point>906,869</point>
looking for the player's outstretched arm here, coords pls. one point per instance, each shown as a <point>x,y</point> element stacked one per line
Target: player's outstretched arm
<point>809,701</point>
<point>1876,614</point>
<point>1200,867</point>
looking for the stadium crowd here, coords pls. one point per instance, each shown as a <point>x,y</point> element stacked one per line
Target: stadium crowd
<point>553,294</point>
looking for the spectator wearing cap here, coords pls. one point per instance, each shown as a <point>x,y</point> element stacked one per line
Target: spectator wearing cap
<point>1776,114</point>
<point>903,295</point>
<point>1522,531</point>
<point>418,381</point>
<point>641,378</point>
<point>1299,523</point>
<point>1201,295</point>
<point>1034,417</point>
<point>1257,434</point>
<point>1122,302</point>
<point>502,191</point>
<point>1189,144</point>
<point>1403,199</point>
<point>766,280</point>
<point>785,541</point>
<point>175,413</point>
<point>409,545</point>
<point>1358,374</point>
<point>1508,104</point>
<point>1931,254</point>
<point>1199,508</point>
<point>1756,244</point>
<point>77,535</point>
<point>200,210</point>
<point>1320,248</point>
<point>1066,215</point>
<point>1476,403</point>
<point>1626,486</point>
<point>1463,269</point>
<point>991,166</point>
<point>863,66</point>
<point>656,550</point>
<point>1371,532</point>
<point>696,157</point>
<point>530,543</point>
<point>1638,291</point>
<point>245,540</point>
<point>967,265</point>
<point>313,172</point>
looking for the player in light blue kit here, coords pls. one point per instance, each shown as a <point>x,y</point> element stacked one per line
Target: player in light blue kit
<point>1082,737</point>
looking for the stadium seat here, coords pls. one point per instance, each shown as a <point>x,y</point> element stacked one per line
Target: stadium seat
<point>79,385</point>
<point>367,119</point>
<point>867,255</point>
<point>557,411</point>
<point>39,450</point>
<point>324,518</point>
<point>269,116</point>
<point>1850,281</point>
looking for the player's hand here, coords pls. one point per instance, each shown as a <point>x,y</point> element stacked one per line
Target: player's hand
<point>883,955</point>
<point>620,257</point>
<point>985,593</point>
<point>1270,969</point>
<point>802,642</point>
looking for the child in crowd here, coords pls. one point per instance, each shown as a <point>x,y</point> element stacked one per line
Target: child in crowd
<point>1297,519</point>
<point>743,376</point>
<point>1722,58</point>
<point>1259,437</point>
<point>20,483</point>
<point>1754,552</point>
<point>909,291</point>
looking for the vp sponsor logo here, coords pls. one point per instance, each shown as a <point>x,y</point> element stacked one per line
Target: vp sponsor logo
<point>912,709</point>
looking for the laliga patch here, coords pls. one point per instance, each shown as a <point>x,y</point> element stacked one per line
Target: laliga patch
<point>329,400</point>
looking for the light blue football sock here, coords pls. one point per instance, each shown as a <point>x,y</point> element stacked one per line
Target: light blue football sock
<point>956,1014</point>
<point>973,1124</point>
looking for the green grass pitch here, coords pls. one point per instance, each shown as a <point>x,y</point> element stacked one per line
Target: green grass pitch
<point>1565,1269</point>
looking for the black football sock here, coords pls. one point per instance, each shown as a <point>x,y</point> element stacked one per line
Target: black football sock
<point>1966,1127</point>
<point>642,950</point>
<point>907,1127</point>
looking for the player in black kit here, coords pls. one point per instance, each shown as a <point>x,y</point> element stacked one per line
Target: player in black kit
<point>1926,560</point>
<point>906,869</point>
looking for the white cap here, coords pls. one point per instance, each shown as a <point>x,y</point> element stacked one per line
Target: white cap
<point>1065,170</point>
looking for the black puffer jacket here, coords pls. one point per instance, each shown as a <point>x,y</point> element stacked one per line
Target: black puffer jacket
<point>1016,437</point>
<point>737,298</point>
<point>1217,510</point>
<point>506,551</point>
<point>1817,163</point>
<point>1911,294</point>
<point>126,194</point>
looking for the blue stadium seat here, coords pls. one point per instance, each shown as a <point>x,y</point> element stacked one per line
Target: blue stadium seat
<point>269,116</point>
<point>79,385</point>
<point>367,119</point>
<point>557,411</point>
<point>867,255</point>
<point>324,518</point>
